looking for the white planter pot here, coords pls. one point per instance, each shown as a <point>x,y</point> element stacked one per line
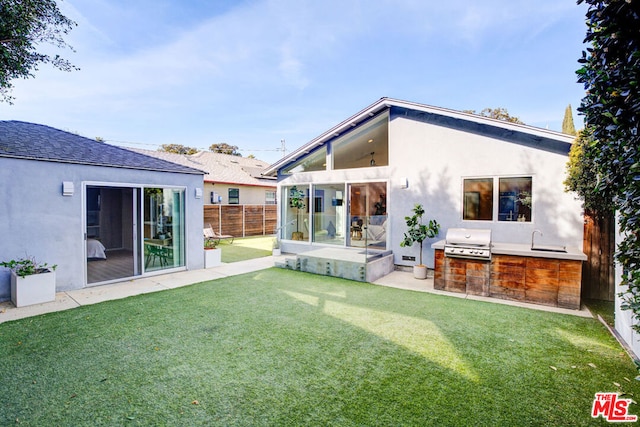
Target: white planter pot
<point>33,289</point>
<point>212,258</point>
<point>277,252</point>
<point>420,271</point>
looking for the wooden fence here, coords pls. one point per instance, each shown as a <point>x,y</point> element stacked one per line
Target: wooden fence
<point>242,220</point>
<point>598,278</point>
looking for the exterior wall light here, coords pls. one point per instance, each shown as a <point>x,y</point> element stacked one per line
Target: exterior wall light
<point>67,188</point>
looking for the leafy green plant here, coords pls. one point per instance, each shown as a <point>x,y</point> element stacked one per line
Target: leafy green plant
<point>296,201</point>
<point>417,231</point>
<point>28,266</point>
<point>610,73</point>
<point>210,243</point>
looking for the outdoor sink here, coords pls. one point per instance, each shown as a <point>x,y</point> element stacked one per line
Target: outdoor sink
<point>549,248</point>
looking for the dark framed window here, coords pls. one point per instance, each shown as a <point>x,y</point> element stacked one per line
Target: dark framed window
<point>234,196</point>
<point>515,199</point>
<point>478,199</point>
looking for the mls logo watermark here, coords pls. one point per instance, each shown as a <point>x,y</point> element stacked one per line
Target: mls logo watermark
<point>612,408</point>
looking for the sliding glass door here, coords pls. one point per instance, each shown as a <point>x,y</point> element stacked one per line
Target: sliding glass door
<point>163,229</point>
<point>133,230</point>
<point>368,215</point>
<point>329,214</point>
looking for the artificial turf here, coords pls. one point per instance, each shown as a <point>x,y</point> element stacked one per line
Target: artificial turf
<point>284,348</point>
<point>246,248</point>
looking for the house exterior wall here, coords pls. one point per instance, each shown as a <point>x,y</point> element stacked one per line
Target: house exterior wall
<point>249,194</point>
<point>624,319</point>
<point>38,221</point>
<point>434,159</point>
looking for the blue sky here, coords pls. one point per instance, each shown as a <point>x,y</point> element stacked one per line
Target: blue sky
<point>253,72</point>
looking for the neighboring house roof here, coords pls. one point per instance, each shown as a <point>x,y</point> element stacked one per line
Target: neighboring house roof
<point>220,168</point>
<point>442,116</point>
<point>30,141</point>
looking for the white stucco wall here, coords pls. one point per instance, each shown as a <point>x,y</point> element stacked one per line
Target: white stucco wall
<point>434,160</point>
<point>37,220</point>
<point>624,319</point>
<point>249,194</point>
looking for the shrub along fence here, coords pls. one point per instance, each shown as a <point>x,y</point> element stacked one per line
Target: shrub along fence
<point>242,220</point>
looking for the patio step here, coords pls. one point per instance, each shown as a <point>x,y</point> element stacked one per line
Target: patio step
<point>347,264</point>
<point>289,263</point>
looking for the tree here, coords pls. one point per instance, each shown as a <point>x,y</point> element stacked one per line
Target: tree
<point>567,123</point>
<point>177,149</point>
<point>417,232</point>
<point>610,73</point>
<point>24,26</point>
<point>496,113</point>
<point>582,177</point>
<point>225,148</point>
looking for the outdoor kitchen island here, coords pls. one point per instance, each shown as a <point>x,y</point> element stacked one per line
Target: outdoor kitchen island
<point>514,272</point>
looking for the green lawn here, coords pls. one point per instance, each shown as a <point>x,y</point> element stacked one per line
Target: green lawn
<point>284,348</point>
<point>246,248</point>
<point>603,308</point>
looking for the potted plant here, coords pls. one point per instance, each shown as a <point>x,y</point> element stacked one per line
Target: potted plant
<point>276,247</point>
<point>212,255</point>
<point>32,282</point>
<point>417,232</point>
<point>296,201</point>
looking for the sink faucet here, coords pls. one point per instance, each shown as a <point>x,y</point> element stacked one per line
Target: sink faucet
<point>533,234</point>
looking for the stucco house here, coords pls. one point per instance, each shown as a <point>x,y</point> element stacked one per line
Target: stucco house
<point>100,212</point>
<point>229,179</point>
<point>468,171</point>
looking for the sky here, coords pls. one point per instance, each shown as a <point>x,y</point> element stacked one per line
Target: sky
<point>252,73</point>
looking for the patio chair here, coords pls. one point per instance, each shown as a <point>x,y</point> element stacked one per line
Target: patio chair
<point>209,233</point>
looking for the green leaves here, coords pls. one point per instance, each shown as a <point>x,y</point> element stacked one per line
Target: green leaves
<point>610,74</point>
<point>417,231</point>
<point>24,25</point>
<point>27,266</point>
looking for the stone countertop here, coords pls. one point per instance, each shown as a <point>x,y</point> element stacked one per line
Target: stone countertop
<point>519,249</point>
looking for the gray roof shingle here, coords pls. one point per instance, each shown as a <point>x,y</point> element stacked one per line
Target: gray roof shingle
<point>223,168</point>
<point>39,142</point>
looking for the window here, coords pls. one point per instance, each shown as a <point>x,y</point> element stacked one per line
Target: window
<point>164,219</point>
<point>234,196</point>
<point>329,214</point>
<point>270,197</point>
<point>295,216</point>
<point>478,199</point>
<point>316,161</point>
<point>515,199</point>
<point>367,145</point>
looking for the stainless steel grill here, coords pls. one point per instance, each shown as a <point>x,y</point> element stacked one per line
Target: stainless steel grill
<point>468,243</point>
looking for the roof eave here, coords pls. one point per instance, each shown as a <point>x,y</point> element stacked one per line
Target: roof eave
<point>106,165</point>
<point>385,103</point>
